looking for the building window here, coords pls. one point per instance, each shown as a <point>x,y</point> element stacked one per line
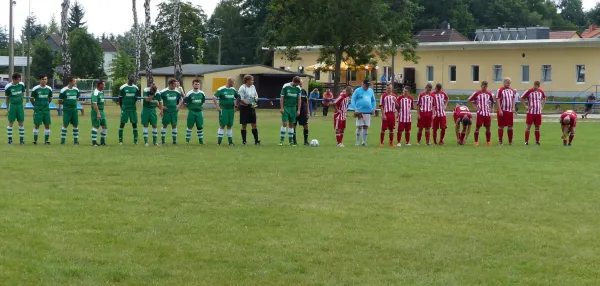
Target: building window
<point>524,74</point>
<point>430,73</point>
<point>580,73</point>
<point>353,75</point>
<point>547,73</point>
<point>475,73</point>
<point>332,76</point>
<point>452,73</point>
<point>497,73</point>
<point>317,74</point>
<point>282,68</point>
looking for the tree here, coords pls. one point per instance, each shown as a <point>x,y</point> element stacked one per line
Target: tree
<point>88,57</point>
<point>593,16</point>
<point>238,45</point>
<point>3,38</point>
<point>42,62</point>
<point>53,26</point>
<point>33,29</point>
<point>76,17</point>
<point>148,43</point>
<point>122,66</point>
<point>192,20</point>
<point>137,35</point>
<point>177,41</point>
<point>385,27</point>
<point>572,11</point>
<point>64,41</point>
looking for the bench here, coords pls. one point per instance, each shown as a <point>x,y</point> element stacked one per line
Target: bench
<point>52,106</point>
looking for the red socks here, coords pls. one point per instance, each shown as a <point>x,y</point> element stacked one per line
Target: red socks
<point>427,136</point>
<point>500,135</point>
<point>462,137</point>
<point>537,136</point>
<point>527,132</point>
<point>435,136</point>
<point>339,136</point>
<point>510,135</point>
<point>442,135</point>
<point>382,136</point>
<point>406,137</point>
<point>571,138</point>
<point>399,136</point>
<point>391,136</point>
<point>488,136</point>
<point>476,134</point>
<point>419,136</point>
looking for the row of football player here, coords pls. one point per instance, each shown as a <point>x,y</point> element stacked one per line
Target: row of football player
<point>431,107</point>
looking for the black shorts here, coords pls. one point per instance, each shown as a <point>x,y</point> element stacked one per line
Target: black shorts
<point>302,120</point>
<point>247,115</point>
<point>588,107</point>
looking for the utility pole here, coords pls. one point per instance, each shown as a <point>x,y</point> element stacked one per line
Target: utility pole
<point>28,75</point>
<point>11,45</point>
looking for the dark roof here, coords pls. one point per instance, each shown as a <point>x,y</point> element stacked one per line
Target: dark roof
<point>199,70</point>
<point>440,35</point>
<point>107,46</point>
<point>563,34</point>
<point>55,38</point>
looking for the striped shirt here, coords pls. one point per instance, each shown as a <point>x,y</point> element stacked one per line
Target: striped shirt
<point>405,106</point>
<point>507,96</point>
<point>425,102</point>
<point>534,99</point>
<point>483,101</point>
<point>388,103</point>
<point>341,104</point>
<point>439,103</point>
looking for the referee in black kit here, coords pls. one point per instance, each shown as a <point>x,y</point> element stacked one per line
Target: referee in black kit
<point>248,103</point>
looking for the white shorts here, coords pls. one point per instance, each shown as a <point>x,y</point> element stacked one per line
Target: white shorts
<point>364,120</point>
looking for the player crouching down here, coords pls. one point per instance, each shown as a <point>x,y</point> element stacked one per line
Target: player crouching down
<point>568,123</point>
<point>463,116</point>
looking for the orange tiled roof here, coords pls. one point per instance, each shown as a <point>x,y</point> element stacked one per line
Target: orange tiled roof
<point>562,34</point>
<point>591,32</point>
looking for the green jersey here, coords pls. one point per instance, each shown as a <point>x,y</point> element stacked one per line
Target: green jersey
<point>226,96</point>
<point>98,98</point>
<point>290,95</point>
<point>194,100</point>
<point>170,99</point>
<point>128,96</point>
<point>152,103</point>
<point>15,92</point>
<point>42,96</point>
<point>69,96</point>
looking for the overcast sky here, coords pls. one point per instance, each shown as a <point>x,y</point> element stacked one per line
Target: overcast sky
<point>105,16</point>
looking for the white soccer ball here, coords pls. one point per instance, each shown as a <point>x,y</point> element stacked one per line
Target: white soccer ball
<point>314,143</point>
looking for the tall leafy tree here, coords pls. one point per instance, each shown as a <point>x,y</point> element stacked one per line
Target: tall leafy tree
<point>53,26</point>
<point>88,61</point>
<point>385,27</point>
<point>32,29</point>
<point>3,38</point>
<point>177,41</point>
<point>64,41</point>
<point>137,35</point>
<point>42,62</point>
<point>192,24</point>
<point>122,66</point>
<point>148,42</point>
<point>255,15</point>
<point>593,15</point>
<point>76,17</point>
<point>572,11</point>
<point>238,45</point>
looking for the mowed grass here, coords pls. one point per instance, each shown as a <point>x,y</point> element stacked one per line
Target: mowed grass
<point>208,215</point>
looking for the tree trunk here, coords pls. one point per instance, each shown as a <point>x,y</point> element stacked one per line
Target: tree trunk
<point>136,28</point>
<point>64,41</point>
<point>148,39</point>
<point>177,41</point>
<point>338,70</point>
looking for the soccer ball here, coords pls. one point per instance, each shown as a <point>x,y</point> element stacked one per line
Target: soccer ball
<point>314,143</point>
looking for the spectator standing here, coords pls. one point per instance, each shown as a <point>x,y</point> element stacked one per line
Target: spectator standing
<point>590,104</point>
<point>327,98</point>
<point>314,98</point>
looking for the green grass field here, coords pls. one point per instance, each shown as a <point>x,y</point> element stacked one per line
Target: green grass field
<point>208,215</point>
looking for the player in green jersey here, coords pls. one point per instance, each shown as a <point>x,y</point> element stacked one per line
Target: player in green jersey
<point>194,100</point>
<point>227,96</point>
<point>149,116</point>
<point>68,98</point>
<point>290,109</point>
<point>171,99</point>
<point>41,96</point>
<point>97,114</point>
<point>128,94</point>
<point>14,92</point>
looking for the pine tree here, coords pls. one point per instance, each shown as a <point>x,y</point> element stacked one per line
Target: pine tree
<point>76,17</point>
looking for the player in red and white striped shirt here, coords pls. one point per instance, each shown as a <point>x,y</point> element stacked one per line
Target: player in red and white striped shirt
<point>462,115</point>
<point>483,100</point>
<point>405,106</point>
<point>505,109</point>
<point>388,114</point>
<point>536,98</point>
<point>568,124</point>
<point>425,113</point>
<point>440,103</point>
<point>339,117</point>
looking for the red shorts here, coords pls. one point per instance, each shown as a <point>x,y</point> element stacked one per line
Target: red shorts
<point>404,126</point>
<point>338,124</point>
<point>535,119</point>
<point>425,120</point>
<point>390,121</point>
<point>506,120</point>
<point>483,121</point>
<point>439,122</point>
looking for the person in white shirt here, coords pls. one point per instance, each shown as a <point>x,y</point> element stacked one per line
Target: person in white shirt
<point>248,104</point>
